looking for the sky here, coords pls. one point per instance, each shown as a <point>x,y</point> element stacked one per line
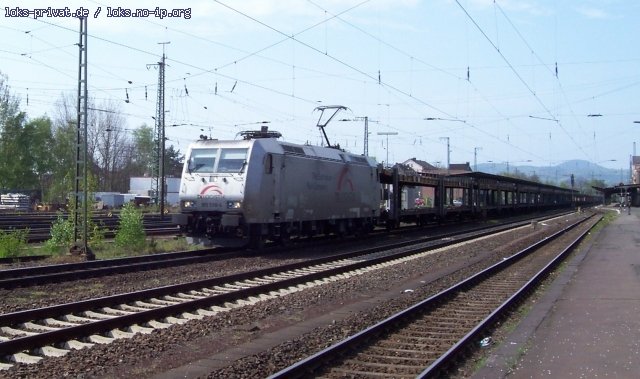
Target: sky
<point>529,82</point>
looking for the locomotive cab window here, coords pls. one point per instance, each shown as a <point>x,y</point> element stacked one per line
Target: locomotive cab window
<point>232,160</point>
<point>202,160</point>
<point>268,164</point>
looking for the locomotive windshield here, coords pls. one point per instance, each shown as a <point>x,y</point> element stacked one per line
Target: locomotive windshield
<point>232,160</point>
<point>202,160</point>
<point>217,160</point>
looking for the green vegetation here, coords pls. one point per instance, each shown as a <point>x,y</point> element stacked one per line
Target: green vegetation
<point>13,243</point>
<point>130,238</point>
<point>38,154</point>
<point>130,233</point>
<point>152,246</point>
<point>61,235</point>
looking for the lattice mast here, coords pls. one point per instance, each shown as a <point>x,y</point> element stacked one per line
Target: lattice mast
<point>80,218</point>
<point>158,185</point>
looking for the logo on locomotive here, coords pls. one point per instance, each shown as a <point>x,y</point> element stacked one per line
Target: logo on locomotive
<point>210,190</point>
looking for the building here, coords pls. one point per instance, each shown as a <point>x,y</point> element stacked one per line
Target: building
<point>423,167</point>
<point>635,170</point>
<point>420,197</point>
<point>418,165</point>
<point>142,186</point>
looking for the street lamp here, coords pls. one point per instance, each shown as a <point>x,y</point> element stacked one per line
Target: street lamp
<point>544,118</point>
<point>443,119</point>
<point>387,134</point>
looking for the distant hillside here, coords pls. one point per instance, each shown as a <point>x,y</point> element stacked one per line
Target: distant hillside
<point>583,171</point>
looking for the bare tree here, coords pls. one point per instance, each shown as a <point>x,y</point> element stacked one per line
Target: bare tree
<point>110,142</point>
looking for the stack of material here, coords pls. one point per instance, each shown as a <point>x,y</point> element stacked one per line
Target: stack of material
<point>14,202</point>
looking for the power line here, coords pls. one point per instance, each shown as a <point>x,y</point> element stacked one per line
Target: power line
<point>520,77</point>
<point>373,78</point>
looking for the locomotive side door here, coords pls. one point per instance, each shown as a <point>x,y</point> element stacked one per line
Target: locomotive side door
<point>274,170</point>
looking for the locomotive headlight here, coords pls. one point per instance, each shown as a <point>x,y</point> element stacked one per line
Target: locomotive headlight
<point>188,204</point>
<point>234,204</point>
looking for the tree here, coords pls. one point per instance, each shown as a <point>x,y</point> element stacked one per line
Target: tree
<point>63,151</point>
<point>9,117</point>
<point>143,145</point>
<point>38,159</point>
<point>25,160</point>
<point>111,144</point>
<point>9,105</point>
<point>173,162</point>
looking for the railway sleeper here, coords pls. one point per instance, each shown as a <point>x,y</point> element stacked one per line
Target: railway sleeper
<point>16,332</point>
<point>389,359</point>
<point>77,345</point>
<point>25,358</point>
<point>164,302</point>
<point>135,328</point>
<point>158,325</point>
<point>127,307</point>
<point>117,333</point>
<point>146,305</point>
<point>100,340</point>
<point>116,312</point>
<point>76,319</point>
<point>55,322</point>
<point>50,351</point>
<point>38,327</point>
<point>176,320</point>
<point>191,316</point>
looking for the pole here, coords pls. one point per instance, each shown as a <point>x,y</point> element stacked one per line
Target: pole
<point>475,158</point>
<point>387,134</point>
<point>158,182</point>
<point>387,150</point>
<point>81,178</point>
<point>366,136</point>
<point>448,153</point>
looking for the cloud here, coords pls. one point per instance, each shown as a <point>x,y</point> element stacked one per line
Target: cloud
<point>520,6</point>
<point>593,13</point>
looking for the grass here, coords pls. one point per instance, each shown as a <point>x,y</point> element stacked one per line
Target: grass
<point>152,246</point>
<point>107,249</point>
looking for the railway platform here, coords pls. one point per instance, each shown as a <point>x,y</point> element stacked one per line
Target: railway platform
<point>587,324</point>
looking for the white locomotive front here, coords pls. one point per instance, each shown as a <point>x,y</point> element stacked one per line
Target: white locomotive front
<point>269,189</point>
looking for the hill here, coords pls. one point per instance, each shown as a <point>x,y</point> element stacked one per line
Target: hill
<point>582,170</point>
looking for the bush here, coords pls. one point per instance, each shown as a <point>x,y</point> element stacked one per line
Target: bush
<point>130,229</point>
<point>11,243</point>
<point>61,234</point>
<point>97,235</point>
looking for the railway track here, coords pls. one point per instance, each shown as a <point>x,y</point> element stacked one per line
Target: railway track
<point>39,225</point>
<point>28,336</point>
<point>428,339</point>
<point>29,276</point>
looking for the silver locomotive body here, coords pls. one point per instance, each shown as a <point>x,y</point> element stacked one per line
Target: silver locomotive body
<point>267,188</point>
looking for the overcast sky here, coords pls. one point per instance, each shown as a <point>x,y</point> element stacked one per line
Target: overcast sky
<point>511,80</point>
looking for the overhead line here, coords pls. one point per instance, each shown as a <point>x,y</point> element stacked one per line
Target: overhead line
<point>373,78</point>
<point>519,77</point>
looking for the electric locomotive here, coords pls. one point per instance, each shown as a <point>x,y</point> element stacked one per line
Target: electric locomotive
<point>265,188</point>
